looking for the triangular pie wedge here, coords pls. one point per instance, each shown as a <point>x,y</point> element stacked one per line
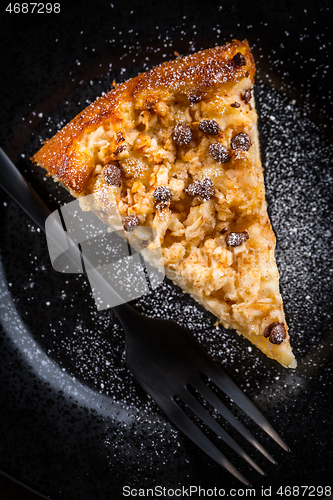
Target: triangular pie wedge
<point>177,149</point>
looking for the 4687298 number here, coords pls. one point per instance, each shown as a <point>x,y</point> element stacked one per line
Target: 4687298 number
<point>33,7</point>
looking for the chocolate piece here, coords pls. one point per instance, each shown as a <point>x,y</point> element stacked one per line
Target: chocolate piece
<point>162,194</point>
<point>219,153</point>
<point>209,127</point>
<point>182,134</point>
<point>194,98</point>
<point>112,175</point>
<point>162,205</point>
<point>236,238</point>
<point>144,243</point>
<point>120,137</point>
<point>149,106</point>
<point>130,222</point>
<point>119,149</point>
<point>207,189</point>
<point>276,333</point>
<point>241,141</point>
<point>246,97</point>
<point>269,328</point>
<point>193,189</point>
<point>235,105</point>
<point>239,59</point>
<point>224,230</point>
<point>204,188</point>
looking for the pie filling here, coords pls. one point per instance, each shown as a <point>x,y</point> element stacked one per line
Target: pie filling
<point>187,164</point>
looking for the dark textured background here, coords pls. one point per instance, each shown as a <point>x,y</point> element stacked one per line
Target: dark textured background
<point>85,441</point>
<point>11,490</point>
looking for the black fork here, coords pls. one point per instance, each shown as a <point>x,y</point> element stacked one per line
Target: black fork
<point>165,358</point>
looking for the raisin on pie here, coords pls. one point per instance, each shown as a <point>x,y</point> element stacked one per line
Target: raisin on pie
<point>176,149</point>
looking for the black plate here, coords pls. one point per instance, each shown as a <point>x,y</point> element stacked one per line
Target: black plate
<point>73,422</point>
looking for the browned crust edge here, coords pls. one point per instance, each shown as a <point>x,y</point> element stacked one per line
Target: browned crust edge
<point>200,72</point>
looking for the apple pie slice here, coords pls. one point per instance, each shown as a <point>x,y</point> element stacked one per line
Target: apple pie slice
<point>176,149</point>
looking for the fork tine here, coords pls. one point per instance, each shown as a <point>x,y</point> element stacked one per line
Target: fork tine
<point>203,414</point>
<point>185,424</point>
<point>228,386</point>
<point>212,399</point>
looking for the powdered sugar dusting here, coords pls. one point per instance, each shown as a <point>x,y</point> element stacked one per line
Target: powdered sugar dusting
<point>90,346</point>
<point>296,157</point>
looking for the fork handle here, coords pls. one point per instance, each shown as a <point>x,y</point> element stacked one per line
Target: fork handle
<point>18,188</point>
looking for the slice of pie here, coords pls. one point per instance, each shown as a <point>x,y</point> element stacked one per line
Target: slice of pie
<point>177,149</point>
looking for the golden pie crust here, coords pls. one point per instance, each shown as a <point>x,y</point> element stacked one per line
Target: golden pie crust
<point>176,149</point>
